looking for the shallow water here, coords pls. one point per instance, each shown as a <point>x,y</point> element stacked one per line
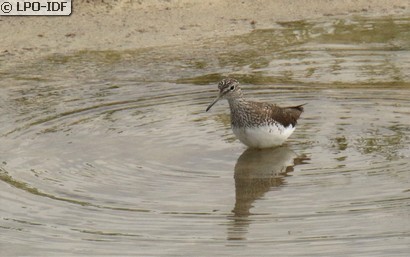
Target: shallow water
<point>112,153</point>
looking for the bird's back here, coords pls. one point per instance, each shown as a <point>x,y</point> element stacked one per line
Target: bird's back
<point>251,113</point>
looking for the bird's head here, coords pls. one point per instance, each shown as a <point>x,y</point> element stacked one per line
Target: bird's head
<point>228,89</point>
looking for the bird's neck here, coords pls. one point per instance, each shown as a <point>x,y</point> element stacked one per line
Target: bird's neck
<point>236,103</point>
<point>238,109</point>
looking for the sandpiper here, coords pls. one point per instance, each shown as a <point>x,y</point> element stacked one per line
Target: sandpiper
<point>257,124</point>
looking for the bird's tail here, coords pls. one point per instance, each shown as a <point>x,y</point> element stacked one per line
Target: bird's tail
<point>298,107</point>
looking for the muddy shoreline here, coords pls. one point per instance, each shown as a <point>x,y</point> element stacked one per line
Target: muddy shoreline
<point>121,25</point>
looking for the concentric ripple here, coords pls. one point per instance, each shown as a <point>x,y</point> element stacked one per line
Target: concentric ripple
<point>112,153</point>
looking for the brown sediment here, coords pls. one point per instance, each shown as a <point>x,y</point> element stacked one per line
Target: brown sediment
<point>123,24</point>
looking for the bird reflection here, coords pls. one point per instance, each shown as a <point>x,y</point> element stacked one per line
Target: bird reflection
<point>257,172</point>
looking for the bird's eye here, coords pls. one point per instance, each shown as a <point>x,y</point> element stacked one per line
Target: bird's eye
<point>232,88</point>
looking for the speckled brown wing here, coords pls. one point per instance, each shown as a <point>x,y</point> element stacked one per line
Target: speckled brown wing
<point>283,115</point>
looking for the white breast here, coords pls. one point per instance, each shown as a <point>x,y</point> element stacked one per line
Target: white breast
<point>264,136</point>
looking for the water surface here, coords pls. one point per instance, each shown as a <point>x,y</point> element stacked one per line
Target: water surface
<point>112,153</point>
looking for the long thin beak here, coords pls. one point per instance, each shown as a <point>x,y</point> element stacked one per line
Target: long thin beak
<point>214,102</point>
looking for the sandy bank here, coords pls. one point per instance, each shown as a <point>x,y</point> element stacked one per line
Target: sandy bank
<point>126,24</point>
